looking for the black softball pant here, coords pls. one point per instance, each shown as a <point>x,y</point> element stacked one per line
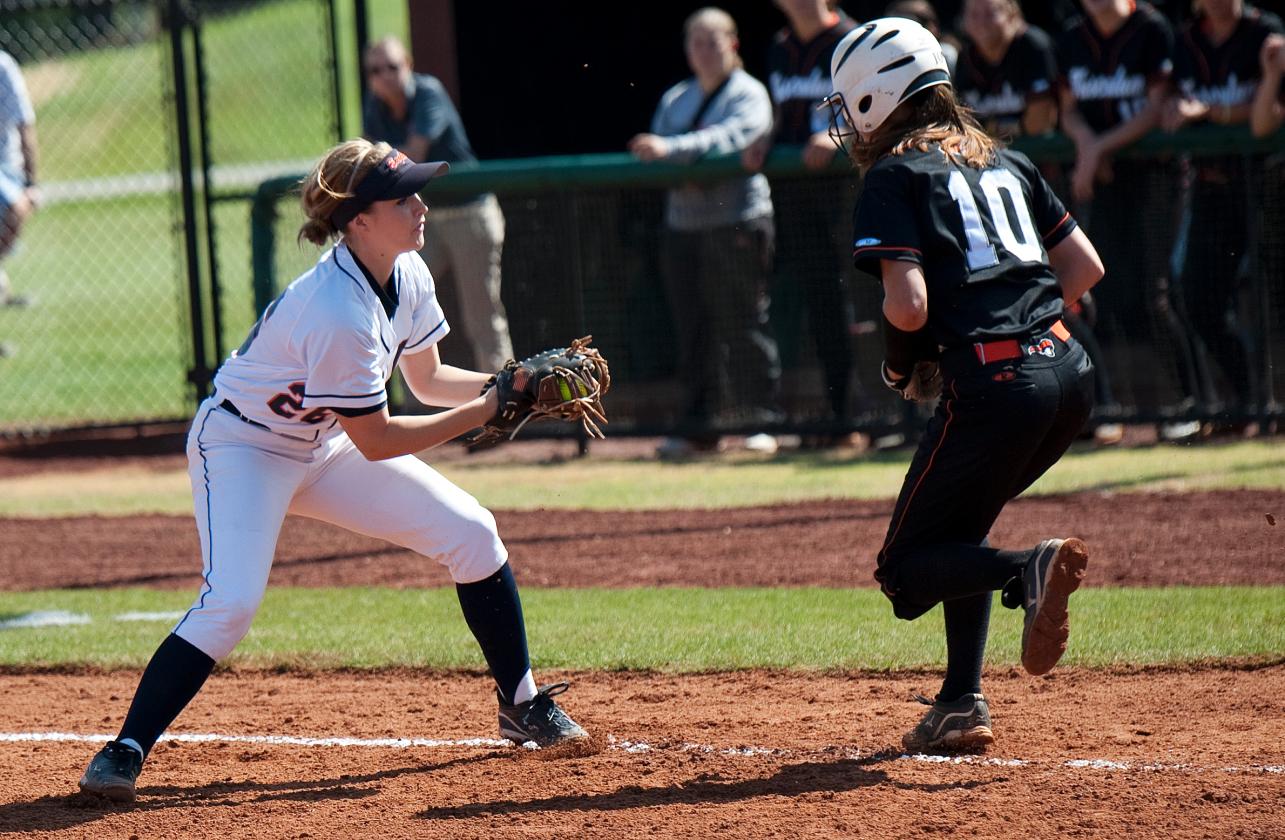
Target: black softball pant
<point>1133,222</point>
<point>809,270</point>
<point>716,282</point>
<point>997,429</point>
<point>1214,282</point>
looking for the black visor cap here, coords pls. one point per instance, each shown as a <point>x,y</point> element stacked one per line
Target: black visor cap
<point>397,176</point>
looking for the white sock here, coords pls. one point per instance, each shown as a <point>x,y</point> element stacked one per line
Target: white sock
<point>525,690</point>
<point>133,745</point>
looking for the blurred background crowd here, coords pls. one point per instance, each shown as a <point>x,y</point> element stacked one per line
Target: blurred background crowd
<point>661,177</point>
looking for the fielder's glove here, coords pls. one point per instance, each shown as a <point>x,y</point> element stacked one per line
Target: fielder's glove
<point>565,383</point>
<point>922,384</point>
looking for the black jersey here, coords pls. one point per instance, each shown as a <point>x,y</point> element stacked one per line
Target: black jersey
<point>999,93</point>
<point>1110,76</point>
<point>799,78</point>
<point>981,236</point>
<point>1226,74</point>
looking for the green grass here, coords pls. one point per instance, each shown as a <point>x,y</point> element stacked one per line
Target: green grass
<point>601,484</point>
<point>104,340</point>
<point>679,630</point>
<point>731,482</point>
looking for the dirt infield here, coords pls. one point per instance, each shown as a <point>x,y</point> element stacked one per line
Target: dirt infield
<point>1163,753</point>
<point>1138,539</point>
<point>748,755</point>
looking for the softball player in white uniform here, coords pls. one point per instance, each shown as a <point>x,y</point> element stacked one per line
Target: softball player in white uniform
<point>299,424</point>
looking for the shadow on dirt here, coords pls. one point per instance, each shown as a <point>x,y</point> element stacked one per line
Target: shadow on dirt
<point>711,789</point>
<point>53,813</point>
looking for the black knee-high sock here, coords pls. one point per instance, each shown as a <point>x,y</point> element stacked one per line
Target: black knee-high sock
<point>949,571</point>
<point>176,673</point>
<point>493,612</point>
<point>967,620</point>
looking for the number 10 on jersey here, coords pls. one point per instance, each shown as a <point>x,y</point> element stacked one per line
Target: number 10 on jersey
<point>1003,211</point>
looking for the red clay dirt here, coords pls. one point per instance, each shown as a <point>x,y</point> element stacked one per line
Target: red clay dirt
<point>1146,754</point>
<point>1137,539</point>
<point>1186,753</point>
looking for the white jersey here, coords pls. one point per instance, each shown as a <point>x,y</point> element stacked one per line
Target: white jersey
<point>327,343</point>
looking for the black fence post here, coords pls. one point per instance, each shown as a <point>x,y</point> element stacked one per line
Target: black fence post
<point>199,374</point>
<point>207,189</point>
<point>336,77</point>
<point>362,25</point>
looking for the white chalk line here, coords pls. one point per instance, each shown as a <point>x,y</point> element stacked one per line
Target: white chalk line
<point>634,747</point>
<point>63,618</point>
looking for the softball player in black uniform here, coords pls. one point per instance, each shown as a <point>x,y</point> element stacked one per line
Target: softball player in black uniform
<point>1217,71</point>
<point>1007,70</point>
<point>1116,64</point>
<point>977,257</point>
<point>808,267</point>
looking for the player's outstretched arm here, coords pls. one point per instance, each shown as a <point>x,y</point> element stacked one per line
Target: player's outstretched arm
<point>379,436</point>
<point>1077,265</point>
<point>437,384</point>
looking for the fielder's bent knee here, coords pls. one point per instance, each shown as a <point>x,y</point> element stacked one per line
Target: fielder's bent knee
<point>216,628</point>
<point>477,552</point>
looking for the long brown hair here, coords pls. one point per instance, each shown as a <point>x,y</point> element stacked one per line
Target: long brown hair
<point>930,116</point>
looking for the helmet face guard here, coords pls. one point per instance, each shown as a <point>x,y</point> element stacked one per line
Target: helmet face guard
<point>841,132</point>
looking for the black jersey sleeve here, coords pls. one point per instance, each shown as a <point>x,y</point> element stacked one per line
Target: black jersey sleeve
<point>1052,220</point>
<point>1040,60</point>
<point>885,224</point>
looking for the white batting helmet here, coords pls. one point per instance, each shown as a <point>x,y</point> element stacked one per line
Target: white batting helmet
<point>878,66</point>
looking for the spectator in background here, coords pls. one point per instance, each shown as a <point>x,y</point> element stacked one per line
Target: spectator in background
<point>1217,71</point>
<point>17,167</point>
<point>1266,116</point>
<point>809,244</point>
<point>716,253</point>
<point>463,237</point>
<point>1115,65</point>
<point>1268,109</point>
<point>1007,70</point>
<point>1007,74</point>
<point>925,14</point>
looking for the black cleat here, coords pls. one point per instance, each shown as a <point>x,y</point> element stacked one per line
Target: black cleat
<point>112,773</point>
<point>539,720</point>
<point>1054,571</point>
<point>961,725</point>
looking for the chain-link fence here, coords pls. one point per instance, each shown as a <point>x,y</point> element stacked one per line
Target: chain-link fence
<point>103,327</point>
<point>583,255</point>
<point>1187,322</point>
<point>100,337</point>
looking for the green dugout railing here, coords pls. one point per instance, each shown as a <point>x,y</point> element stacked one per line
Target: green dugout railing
<point>568,173</point>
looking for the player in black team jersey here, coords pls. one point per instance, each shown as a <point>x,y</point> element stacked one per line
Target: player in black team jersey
<point>1217,72</point>
<point>1116,63</point>
<point>808,243</point>
<point>1007,74</point>
<point>977,257</point>
<point>1007,70</point>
